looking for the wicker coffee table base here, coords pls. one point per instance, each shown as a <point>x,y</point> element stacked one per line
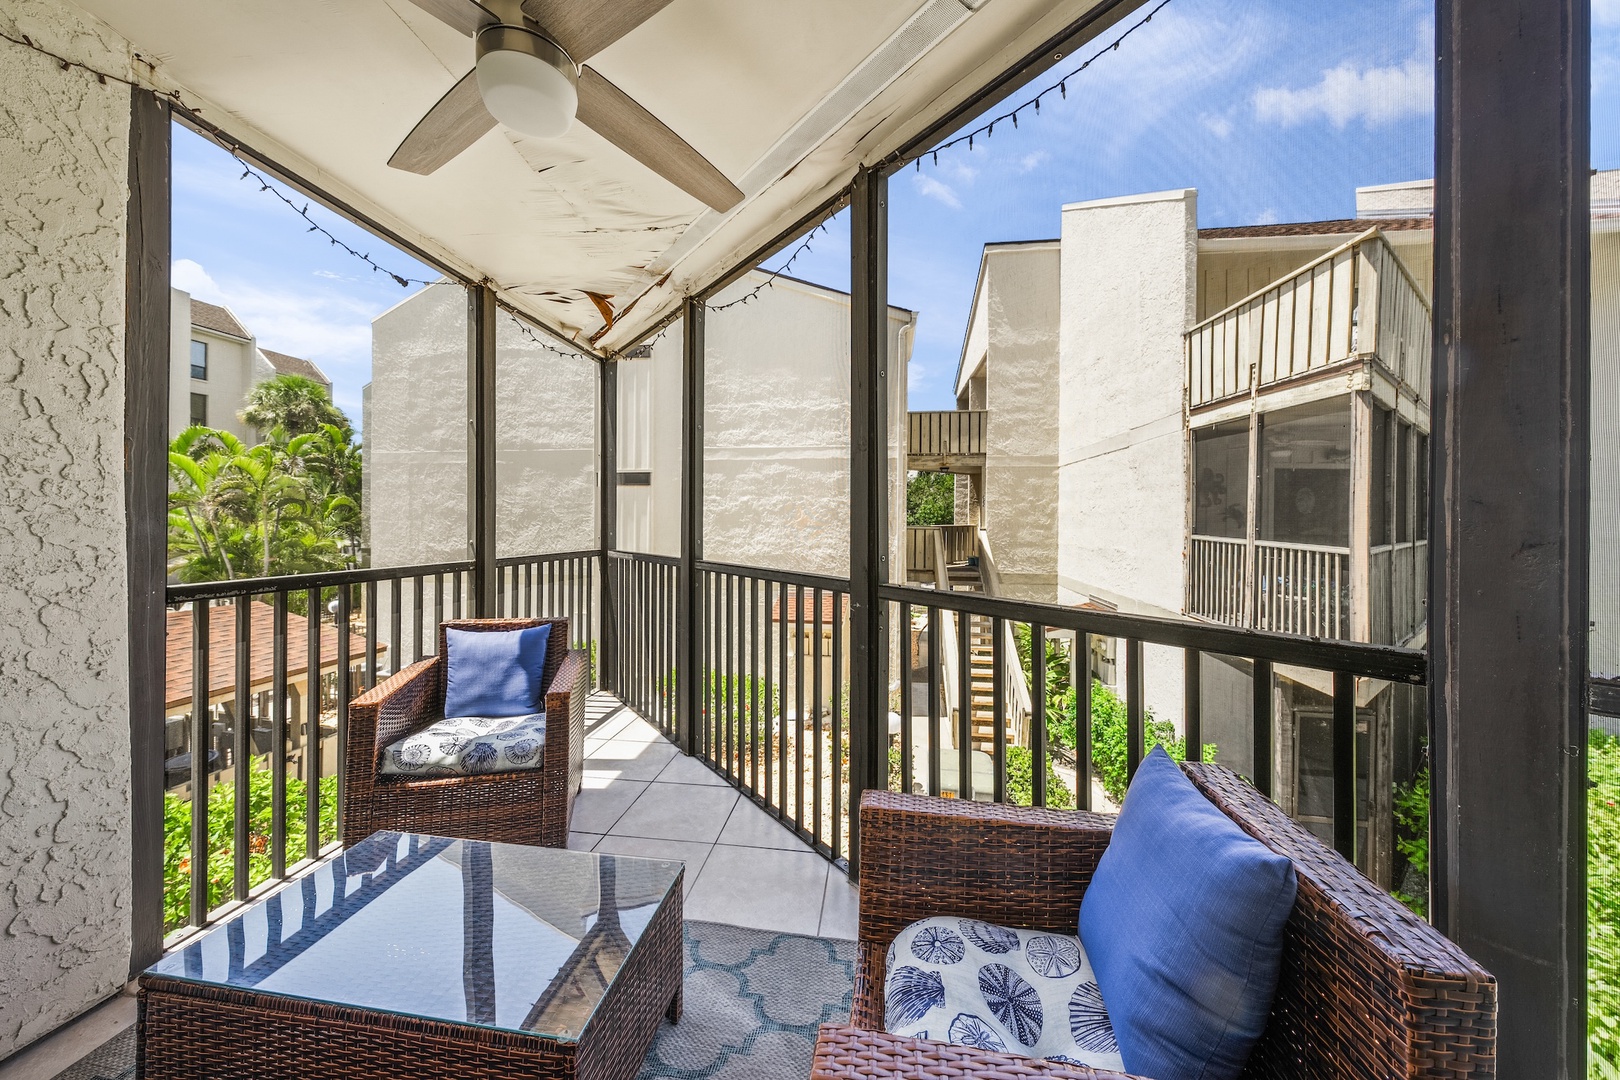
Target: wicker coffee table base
<point>186,1030</point>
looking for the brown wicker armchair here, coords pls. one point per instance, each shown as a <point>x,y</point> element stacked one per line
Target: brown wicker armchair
<point>514,807</point>
<point>1366,989</point>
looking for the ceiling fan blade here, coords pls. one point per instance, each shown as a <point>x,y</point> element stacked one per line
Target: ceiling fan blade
<point>468,16</point>
<point>455,123</point>
<point>585,27</point>
<point>615,116</point>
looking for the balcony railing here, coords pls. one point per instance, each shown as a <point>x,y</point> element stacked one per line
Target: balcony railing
<point>926,543</point>
<point>946,439</point>
<point>260,717</point>
<point>1356,302</point>
<point>1297,588</point>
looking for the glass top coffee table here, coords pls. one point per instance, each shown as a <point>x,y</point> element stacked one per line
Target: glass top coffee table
<point>421,955</point>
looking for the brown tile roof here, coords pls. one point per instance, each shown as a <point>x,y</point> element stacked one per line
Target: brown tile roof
<point>294,365</point>
<point>809,612</point>
<point>215,318</point>
<point>261,638</point>
<point>1339,227</point>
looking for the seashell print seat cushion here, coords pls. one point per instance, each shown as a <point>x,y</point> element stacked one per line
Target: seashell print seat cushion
<point>1016,991</point>
<point>469,746</point>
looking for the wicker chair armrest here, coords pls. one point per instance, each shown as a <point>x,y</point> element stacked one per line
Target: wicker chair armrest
<point>1018,866</point>
<point>565,719</point>
<point>401,703</point>
<point>844,1052</point>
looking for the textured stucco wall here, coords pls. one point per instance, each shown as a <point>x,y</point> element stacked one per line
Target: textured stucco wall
<point>650,441</point>
<point>1020,513</point>
<point>416,430</point>
<point>776,429</point>
<point>1129,291</point>
<point>64,700</point>
<point>416,437</point>
<point>1605,483</point>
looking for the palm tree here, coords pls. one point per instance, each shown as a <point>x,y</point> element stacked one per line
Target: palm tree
<point>200,529</point>
<point>293,403</point>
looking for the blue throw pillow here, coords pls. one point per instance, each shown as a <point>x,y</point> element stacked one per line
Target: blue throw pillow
<point>494,672</point>
<point>1183,924</point>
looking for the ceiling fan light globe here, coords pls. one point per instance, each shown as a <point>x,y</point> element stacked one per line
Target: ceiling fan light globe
<point>527,82</point>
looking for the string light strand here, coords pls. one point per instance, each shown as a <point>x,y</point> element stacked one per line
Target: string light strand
<point>753,293</point>
<point>544,345</point>
<point>1061,88</point>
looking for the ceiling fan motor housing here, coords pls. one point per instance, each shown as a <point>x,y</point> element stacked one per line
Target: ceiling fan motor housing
<point>528,82</point>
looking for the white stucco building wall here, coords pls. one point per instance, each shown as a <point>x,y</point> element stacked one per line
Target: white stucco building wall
<point>416,437</point>
<point>776,432</point>
<point>1128,294</point>
<point>235,366</point>
<point>64,610</point>
<point>1010,356</point>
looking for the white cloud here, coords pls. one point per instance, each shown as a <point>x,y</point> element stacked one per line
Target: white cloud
<point>1032,161</point>
<point>1219,126</point>
<point>930,188</point>
<point>916,375</point>
<point>1374,95</point>
<point>190,277</point>
<point>1268,216</point>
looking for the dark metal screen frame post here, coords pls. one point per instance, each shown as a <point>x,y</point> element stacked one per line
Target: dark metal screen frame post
<point>868,493</point>
<point>481,315</point>
<point>146,480</point>
<point>1508,520</point>
<point>607,426</point>
<point>688,613</point>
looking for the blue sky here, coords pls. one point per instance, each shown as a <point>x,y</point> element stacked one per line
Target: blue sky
<point>1275,110</point>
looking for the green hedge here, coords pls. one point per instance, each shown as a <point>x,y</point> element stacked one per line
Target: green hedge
<point>1603,906</point>
<point>222,837</point>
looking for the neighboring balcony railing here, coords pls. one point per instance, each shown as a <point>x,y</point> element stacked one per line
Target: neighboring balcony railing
<point>946,439</point>
<point>926,543</point>
<point>1356,302</point>
<point>1297,588</point>
<point>260,676</point>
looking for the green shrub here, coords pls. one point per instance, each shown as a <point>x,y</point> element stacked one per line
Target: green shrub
<point>1412,841</point>
<point>222,837</point>
<point>1603,906</point>
<point>1109,725</point>
<point>1020,781</point>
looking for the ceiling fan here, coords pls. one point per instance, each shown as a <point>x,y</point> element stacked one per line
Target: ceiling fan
<point>529,75</point>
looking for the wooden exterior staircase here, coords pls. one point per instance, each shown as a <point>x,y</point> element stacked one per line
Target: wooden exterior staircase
<point>966,577</point>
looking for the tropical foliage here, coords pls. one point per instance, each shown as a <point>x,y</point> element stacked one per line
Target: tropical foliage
<point>222,838</point>
<point>931,499</point>
<point>289,505</point>
<point>1603,905</point>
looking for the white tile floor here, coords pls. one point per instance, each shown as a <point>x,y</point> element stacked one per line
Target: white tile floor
<point>642,796</point>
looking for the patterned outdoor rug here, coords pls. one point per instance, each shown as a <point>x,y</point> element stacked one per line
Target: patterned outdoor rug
<point>753,1002</point>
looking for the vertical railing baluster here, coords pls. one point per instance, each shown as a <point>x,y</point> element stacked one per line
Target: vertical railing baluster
<point>1262,727</point>
<point>455,598</point>
<point>998,711</point>
<point>241,750</point>
<point>370,614</point>
<point>312,724</point>
<point>418,611</point>
<point>815,698</point>
<point>1344,765</point>
<point>934,674</point>
<point>278,737</point>
<point>783,632</point>
<point>906,669</point>
<point>1192,704</point>
<point>753,684</point>
<point>1081,684</point>
<point>1134,733</point>
<point>1038,741</point>
<point>200,630</point>
<point>838,797</point>
<point>396,659</point>
<point>344,693</point>
<point>964,711</point>
<point>728,625</point>
<point>798,707</point>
